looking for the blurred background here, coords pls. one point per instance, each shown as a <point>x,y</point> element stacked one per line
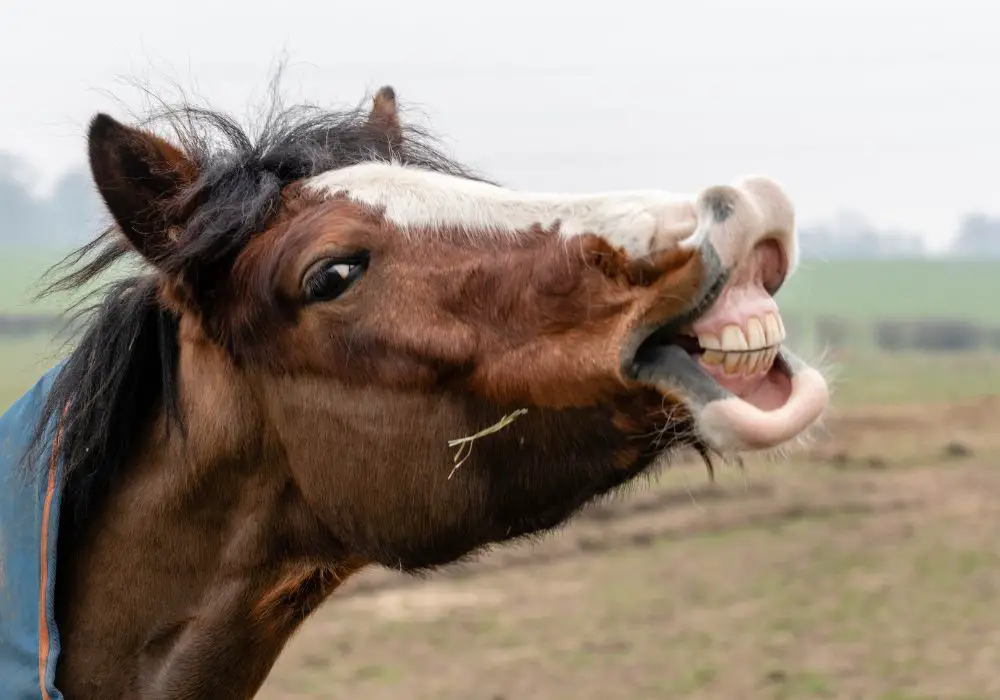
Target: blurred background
<point>866,565</point>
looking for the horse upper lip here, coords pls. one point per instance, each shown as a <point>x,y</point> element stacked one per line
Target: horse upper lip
<point>661,333</point>
<point>709,295</point>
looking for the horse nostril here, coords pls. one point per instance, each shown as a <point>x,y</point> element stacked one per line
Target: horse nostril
<point>771,264</point>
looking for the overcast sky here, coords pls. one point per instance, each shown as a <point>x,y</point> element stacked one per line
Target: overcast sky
<point>887,107</point>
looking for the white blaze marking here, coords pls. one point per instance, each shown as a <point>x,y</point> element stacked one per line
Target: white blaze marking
<point>412,198</point>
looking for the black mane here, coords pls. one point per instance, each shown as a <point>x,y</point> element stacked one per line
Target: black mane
<point>122,370</point>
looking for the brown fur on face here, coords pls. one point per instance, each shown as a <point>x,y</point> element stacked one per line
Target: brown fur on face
<point>311,437</point>
<point>439,339</point>
<point>501,316</point>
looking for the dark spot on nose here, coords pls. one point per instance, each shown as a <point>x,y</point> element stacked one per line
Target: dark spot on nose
<point>720,203</point>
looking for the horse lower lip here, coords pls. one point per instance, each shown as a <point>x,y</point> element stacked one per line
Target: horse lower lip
<point>774,408</point>
<point>739,424</point>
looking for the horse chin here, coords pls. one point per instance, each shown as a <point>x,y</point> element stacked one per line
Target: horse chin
<point>766,409</point>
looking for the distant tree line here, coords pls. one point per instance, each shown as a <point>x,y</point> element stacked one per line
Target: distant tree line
<point>978,236</point>
<point>851,237</point>
<point>937,335</point>
<point>68,215</point>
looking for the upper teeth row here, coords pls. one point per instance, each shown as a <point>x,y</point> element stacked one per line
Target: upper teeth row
<point>756,335</point>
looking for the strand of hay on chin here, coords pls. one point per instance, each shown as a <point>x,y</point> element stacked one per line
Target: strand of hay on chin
<point>464,444</point>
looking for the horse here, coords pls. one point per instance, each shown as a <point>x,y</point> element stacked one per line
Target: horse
<point>343,349</point>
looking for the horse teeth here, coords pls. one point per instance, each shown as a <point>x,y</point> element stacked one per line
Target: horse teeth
<point>744,350</point>
<point>709,341</point>
<point>746,364</point>
<point>755,333</point>
<point>713,358</point>
<point>731,362</point>
<point>774,331</point>
<point>733,339</point>
<point>769,357</point>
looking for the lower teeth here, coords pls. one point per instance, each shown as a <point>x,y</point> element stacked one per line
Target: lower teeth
<point>741,363</point>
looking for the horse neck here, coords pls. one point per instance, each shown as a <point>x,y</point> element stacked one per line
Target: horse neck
<point>200,562</point>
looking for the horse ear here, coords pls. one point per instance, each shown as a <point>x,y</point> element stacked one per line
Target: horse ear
<point>384,117</point>
<point>138,175</point>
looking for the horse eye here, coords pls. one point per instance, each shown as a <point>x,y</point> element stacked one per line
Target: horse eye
<point>333,278</point>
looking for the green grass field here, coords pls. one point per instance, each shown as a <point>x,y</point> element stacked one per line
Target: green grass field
<point>20,271</point>
<point>867,289</point>
<point>21,279</point>
<point>861,378</point>
<point>24,361</point>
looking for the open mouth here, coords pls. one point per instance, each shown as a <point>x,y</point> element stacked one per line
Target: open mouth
<point>726,360</point>
<point>745,360</point>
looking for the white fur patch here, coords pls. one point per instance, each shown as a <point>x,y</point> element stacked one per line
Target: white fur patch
<point>414,199</point>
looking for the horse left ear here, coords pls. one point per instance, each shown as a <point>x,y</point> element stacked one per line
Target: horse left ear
<point>139,176</point>
<point>384,117</point>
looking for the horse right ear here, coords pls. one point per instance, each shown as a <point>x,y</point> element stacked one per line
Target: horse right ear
<point>139,176</point>
<point>383,118</point>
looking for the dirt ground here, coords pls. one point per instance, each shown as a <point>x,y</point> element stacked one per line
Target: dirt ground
<point>866,567</point>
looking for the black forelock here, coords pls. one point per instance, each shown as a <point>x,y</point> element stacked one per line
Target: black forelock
<point>123,366</point>
<point>241,177</point>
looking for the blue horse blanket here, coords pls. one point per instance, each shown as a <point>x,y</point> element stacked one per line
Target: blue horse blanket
<point>29,524</point>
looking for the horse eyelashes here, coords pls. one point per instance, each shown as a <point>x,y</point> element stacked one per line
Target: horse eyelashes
<point>333,279</point>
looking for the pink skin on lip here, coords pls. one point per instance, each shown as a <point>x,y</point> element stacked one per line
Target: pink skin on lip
<point>735,306</point>
<point>741,424</point>
<point>745,296</point>
<point>746,292</point>
<point>769,407</point>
